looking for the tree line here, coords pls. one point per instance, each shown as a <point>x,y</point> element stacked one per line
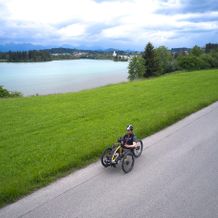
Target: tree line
<point>158,61</point>
<point>26,56</point>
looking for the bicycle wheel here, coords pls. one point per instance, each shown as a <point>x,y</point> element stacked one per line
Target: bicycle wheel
<point>106,157</point>
<point>138,151</point>
<point>127,162</point>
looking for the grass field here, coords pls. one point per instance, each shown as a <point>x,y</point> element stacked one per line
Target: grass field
<point>46,137</point>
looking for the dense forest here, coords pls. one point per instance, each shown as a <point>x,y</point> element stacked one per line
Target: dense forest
<point>25,56</point>
<point>158,61</point>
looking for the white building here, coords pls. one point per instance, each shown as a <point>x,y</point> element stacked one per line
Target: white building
<point>114,54</point>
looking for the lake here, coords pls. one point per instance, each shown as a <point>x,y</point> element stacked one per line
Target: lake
<point>61,76</point>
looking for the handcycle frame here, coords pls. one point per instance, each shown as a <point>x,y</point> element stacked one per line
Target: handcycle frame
<point>117,152</point>
<point>118,149</point>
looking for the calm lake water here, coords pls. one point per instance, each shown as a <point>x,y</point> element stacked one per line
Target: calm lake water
<point>61,76</point>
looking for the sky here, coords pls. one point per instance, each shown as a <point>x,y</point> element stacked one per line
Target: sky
<point>123,24</point>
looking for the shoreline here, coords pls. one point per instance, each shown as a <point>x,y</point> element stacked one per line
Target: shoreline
<point>103,59</point>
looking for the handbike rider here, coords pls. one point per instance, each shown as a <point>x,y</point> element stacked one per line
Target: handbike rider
<point>129,139</point>
<point>127,148</point>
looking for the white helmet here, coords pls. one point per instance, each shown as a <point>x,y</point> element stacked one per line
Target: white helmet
<point>129,127</point>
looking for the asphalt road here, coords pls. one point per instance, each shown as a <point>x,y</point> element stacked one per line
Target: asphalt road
<point>176,176</point>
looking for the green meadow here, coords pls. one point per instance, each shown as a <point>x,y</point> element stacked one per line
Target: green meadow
<point>45,137</point>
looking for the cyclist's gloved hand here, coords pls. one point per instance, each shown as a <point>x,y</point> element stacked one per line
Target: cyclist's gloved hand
<point>119,139</point>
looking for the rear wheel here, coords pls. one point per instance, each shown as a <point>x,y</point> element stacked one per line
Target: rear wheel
<point>138,150</point>
<point>106,157</point>
<point>127,162</point>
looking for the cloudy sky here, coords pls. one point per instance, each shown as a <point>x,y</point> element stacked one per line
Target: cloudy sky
<point>124,24</point>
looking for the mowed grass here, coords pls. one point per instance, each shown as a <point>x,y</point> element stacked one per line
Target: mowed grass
<point>45,137</point>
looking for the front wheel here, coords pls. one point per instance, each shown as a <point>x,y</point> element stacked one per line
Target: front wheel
<point>127,162</point>
<point>138,150</point>
<point>106,157</point>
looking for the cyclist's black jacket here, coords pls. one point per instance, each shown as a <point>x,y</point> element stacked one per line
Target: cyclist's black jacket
<point>129,139</point>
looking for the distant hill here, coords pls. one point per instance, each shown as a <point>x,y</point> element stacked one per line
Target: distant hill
<point>20,47</point>
<point>53,49</point>
<point>23,54</point>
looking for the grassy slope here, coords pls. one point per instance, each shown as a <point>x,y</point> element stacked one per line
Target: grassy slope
<point>43,137</point>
